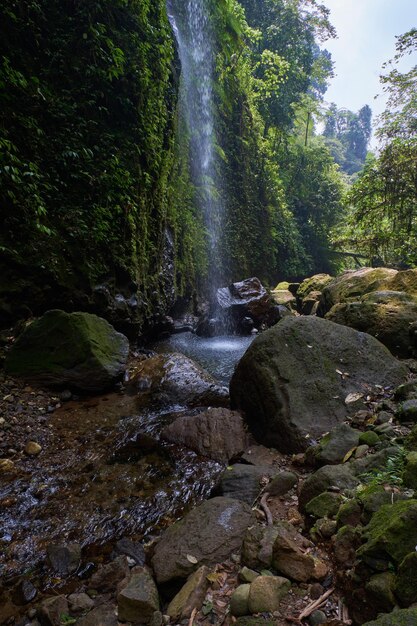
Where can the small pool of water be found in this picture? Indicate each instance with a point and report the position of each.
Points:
(218, 355)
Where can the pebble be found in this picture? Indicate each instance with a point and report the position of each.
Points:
(6, 465)
(32, 448)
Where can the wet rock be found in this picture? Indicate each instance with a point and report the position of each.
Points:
(317, 618)
(340, 476)
(24, 593)
(239, 601)
(266, 593)
(290, 560)
(175, 377)
(64, 559)
(103, 615)
(32, 448)
(139, 599)
(208, 534)
(109, 576)
(80, 602)
(403, 617)
(285, 414)
(282, 483)
(217, 433)
(380, 592)
(406, 580)
(247, 298)
(260, 455)
(132, 549)
(190, 596)
(78, 350)
(258, 545)
(244, 482)
(51, 610)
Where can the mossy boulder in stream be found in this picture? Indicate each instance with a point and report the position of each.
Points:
(404, 617)
(77, 350)
(293, 381)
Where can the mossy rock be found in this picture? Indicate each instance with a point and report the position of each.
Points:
(254, 621)
(76, 350)
(403, 617)
(324, 505)
(406, 580)
(392, 532)
(334, 446)
(410, 470)
(380, 592)
(410, 442)
(315, 283)
(407, 411)
(369, 437)
(349, 513)
(406, 391)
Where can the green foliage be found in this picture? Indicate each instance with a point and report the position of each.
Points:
(383, 201)
(347, 136)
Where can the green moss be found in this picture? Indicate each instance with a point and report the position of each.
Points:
(406, 580)
(392, 532)
(403, 617)
(324, 505)
(369, 437)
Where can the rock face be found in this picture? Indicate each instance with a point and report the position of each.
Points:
(76, 350)
(217, 433)
(209, 534)
(175, 377)
(292, 382)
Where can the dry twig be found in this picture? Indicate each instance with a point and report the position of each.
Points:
(315, 605)
(266, 509)
(193, 614)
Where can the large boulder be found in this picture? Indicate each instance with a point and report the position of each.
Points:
(386, 315)
(244, 482)
(76, 350)
(403, 617)
(208, 534)
(353, 284)
(314, 283)
(217, 433)
(293, 381)
(176, 378)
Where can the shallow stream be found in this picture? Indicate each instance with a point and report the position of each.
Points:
(104, 474)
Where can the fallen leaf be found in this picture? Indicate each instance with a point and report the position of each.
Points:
(349, 454)
(353, 397)
(191, 559)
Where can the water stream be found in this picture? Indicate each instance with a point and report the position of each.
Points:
(195, 41)
(104, 473)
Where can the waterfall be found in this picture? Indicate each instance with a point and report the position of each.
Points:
(190, 22)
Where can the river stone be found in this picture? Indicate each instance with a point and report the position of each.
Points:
(266, 593)
(324, 505)
(110, 575)
(51, 610)
(239, 600)
(353, 284)
(139, 599)
(244, 482)
(77, 350)
(339, 476)
(208, 534)
(286, 414)
(217, 433)
(290, 560)
(386, 315)
(282, 483)
(245, 298)
(380, 592)
(103, 615)
(80, 602)
(403, 617)
(175, 377)
(64, 559)
(407, 411)
(190, 596)
(257, 546)
(247, 575)
(333, 447)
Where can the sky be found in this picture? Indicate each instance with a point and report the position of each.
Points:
(366, 39)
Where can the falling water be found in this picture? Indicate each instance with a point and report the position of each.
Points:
(192, 29)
